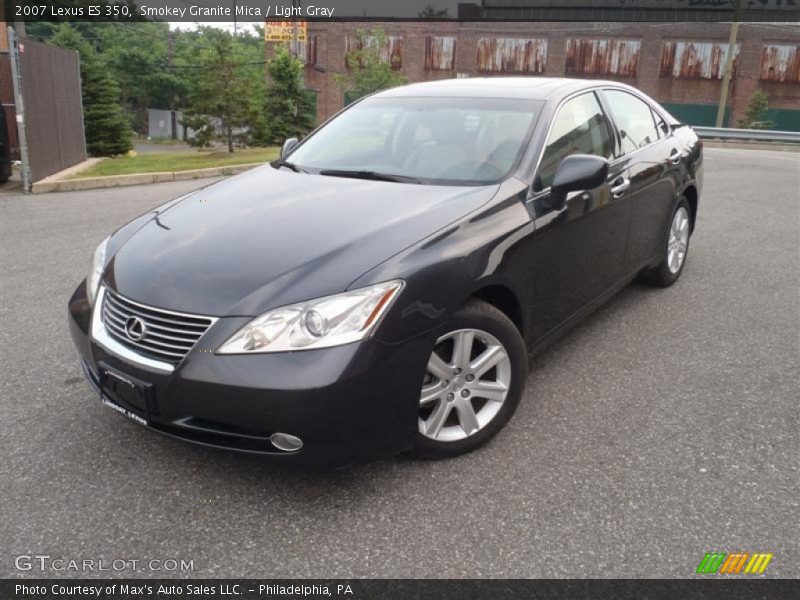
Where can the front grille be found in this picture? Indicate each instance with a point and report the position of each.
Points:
(167, 336)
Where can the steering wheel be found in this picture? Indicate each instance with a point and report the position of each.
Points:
(498, 171)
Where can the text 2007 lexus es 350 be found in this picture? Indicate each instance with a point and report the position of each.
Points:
(380, 286)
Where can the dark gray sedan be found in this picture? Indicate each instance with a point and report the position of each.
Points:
(381, 285)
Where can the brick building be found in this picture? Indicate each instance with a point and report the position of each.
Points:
(678, 64)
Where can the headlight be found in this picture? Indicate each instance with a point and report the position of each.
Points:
(98, 264)
(322, 323)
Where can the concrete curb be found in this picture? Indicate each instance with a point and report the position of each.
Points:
(91, 183)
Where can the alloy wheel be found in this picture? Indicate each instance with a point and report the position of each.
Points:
(466, 383)
(678, 240)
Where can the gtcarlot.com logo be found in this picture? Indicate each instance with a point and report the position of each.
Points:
(734, 563)
(45, 562)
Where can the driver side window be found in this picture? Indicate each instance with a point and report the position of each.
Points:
(580, 127)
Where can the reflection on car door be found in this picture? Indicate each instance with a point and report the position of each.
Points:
(578, 248)
(650, 161)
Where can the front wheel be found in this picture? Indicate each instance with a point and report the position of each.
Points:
(677, 246)
(473, 382)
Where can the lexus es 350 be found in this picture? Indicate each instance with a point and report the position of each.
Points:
(380, 287)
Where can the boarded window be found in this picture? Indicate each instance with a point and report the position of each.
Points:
(391, 50)
(512, 55)
(696, 60)
(305, 51)
(603, 57)
(780, 63)
(440, 53)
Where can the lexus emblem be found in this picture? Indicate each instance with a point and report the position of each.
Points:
(135, 328)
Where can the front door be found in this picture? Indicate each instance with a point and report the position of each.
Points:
(579, 247)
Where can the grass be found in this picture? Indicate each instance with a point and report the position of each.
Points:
(159, 141)
(156, 162)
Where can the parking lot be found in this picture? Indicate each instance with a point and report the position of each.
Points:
(664, 427)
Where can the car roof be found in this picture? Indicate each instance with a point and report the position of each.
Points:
(534, 88)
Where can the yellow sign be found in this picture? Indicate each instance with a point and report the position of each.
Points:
(285, 31)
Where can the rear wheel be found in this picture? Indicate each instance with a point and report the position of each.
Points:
(676, 248)
(473, 382)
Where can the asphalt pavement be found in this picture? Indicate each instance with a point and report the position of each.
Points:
(664, 427)
(155, 147)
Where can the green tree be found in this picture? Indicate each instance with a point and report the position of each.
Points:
(136, 56)
(156, 67)
(369, 70)
(289, 106)
(431, 12)
(107, 130)
(757, 107)
(140, 64)
(225, 90)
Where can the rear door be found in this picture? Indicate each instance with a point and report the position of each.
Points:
(647, 171)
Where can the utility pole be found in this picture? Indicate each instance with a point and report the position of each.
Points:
(19, 103)
(295, 33)
(726, 78)
(170, 54)
(296, 30)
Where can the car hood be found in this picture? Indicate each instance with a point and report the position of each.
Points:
(272, 237)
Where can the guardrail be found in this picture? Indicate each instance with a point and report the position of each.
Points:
(759, 135)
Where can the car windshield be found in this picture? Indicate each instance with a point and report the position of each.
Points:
(456, 141)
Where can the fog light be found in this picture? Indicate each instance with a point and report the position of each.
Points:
(286, 442)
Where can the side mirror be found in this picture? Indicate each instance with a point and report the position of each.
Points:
(579, 172)
(288, 145)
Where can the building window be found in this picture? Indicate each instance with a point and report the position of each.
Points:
(780, 63)
(619, 58)
(512, 55)
(696, 60)
(305, 51)
(391, 50)
(440, 53)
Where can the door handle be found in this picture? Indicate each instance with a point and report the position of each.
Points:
(675, 156)
(618, 190)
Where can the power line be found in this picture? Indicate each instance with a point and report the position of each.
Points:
(44, 37)
(254, 62)
(158, 35)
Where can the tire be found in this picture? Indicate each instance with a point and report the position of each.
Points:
(665, 273)
(445, 426)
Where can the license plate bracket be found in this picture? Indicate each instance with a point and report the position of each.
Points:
(122, 391)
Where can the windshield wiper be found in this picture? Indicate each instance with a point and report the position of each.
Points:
(369, 175)
(285, 163)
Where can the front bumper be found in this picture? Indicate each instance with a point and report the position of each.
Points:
(347, 404)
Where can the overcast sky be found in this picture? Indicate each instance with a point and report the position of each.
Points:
(345, 8)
